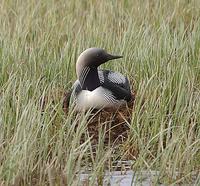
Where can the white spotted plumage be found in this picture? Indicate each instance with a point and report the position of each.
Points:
(116, 77)
(101, 77)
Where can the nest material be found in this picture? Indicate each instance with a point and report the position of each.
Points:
(114, 123)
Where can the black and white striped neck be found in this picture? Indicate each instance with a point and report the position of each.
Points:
(89, 78)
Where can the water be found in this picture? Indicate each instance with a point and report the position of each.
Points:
(128, 178)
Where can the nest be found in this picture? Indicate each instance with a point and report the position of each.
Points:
(114, 123)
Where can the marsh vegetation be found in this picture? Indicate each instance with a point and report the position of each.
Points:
(39, 43)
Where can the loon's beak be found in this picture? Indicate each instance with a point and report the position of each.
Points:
(110, 57)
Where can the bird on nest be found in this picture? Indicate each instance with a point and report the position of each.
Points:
(98, 88)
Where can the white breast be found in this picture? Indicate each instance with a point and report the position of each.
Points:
(98, 98)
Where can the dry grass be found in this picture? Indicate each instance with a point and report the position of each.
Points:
(39, 43)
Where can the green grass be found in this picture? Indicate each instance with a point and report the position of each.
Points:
(39, 44)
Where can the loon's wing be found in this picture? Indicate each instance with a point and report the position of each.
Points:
(116, 83)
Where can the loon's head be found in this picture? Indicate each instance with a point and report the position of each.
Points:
(92, 58)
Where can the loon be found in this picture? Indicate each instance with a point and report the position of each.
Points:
(96, 88)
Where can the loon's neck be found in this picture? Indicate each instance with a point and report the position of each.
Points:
(89, 78)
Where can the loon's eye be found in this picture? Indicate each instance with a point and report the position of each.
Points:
(99, 54)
